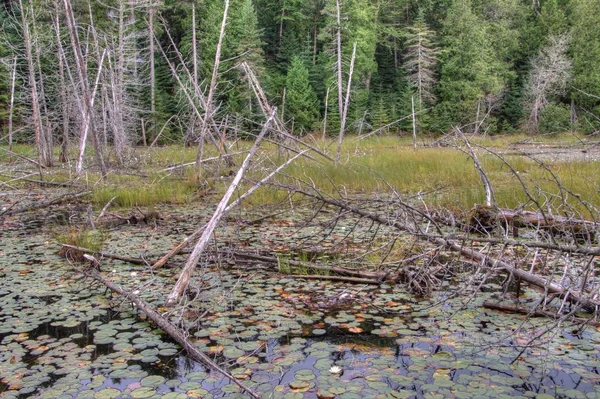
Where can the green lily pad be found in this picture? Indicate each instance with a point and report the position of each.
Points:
(144, 392)
(107, 393)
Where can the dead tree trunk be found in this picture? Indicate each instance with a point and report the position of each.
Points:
(192, 261)
(213, 86)
(346, 105)
(11, 106)
(177, 334)
(88, 108)
(44, 156)
(64, 151)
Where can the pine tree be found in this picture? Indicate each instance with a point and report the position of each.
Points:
(301, 101)
(420, 61)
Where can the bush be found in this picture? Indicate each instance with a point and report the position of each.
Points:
(554, 119)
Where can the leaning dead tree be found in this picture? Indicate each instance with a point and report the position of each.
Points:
(410, 220)
(204, 239)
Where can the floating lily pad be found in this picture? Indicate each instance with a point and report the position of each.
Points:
(107, 393)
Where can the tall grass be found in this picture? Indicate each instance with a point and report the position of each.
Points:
(145, 194)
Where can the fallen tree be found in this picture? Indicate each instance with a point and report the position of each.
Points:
(172, 330)
(448, 242)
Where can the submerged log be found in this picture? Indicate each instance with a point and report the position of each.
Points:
(537, 312)
(486, 219)
(177, 334)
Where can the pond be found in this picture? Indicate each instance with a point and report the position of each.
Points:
(63, 336)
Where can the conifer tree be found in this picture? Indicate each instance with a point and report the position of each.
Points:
(421, 61)
(585, 52)
(301, 101)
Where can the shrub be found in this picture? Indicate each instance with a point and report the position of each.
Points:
(554, 118)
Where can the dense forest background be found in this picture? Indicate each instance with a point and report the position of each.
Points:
(490, 66)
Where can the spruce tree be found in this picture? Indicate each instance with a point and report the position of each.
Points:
(301, 101)
(420, 61)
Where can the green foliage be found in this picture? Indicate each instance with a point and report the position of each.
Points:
(554, 119)
(301, 101)
(585, 52)
(472, 71)
(80, 237)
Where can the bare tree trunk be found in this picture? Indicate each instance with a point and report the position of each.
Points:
(152, 72)
(339, 62)
(118, 89)
(44, 157)
(283, 104)
(346, 106)
(194, 45)
(64, 150)
(213, 85)
(11, 107)
(414, 121)
(192, 261)
(88, 109)
(47, 131)
(324, 135)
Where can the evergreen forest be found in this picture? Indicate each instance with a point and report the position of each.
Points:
(132, 67)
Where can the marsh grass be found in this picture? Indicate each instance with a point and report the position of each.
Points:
(140, 193)
(447, 178)
(80, 237)
(378, 165)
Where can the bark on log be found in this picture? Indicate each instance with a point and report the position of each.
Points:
(178, 335)
(536, 312)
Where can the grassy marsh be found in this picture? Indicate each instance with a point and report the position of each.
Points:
(440, 176)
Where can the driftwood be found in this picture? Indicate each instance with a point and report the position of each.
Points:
(447, 242)
(177, 334)
(45, 204)
(355, 280)
(485, 219)
(137, 261)
(376, 276)
(537, 312)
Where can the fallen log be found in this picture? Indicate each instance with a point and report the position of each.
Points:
(536, 312)
(449, 243)
(178, 335)
(485, 219)
(354, 280)
(45, 204)
(137, 261)
(335, 269)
